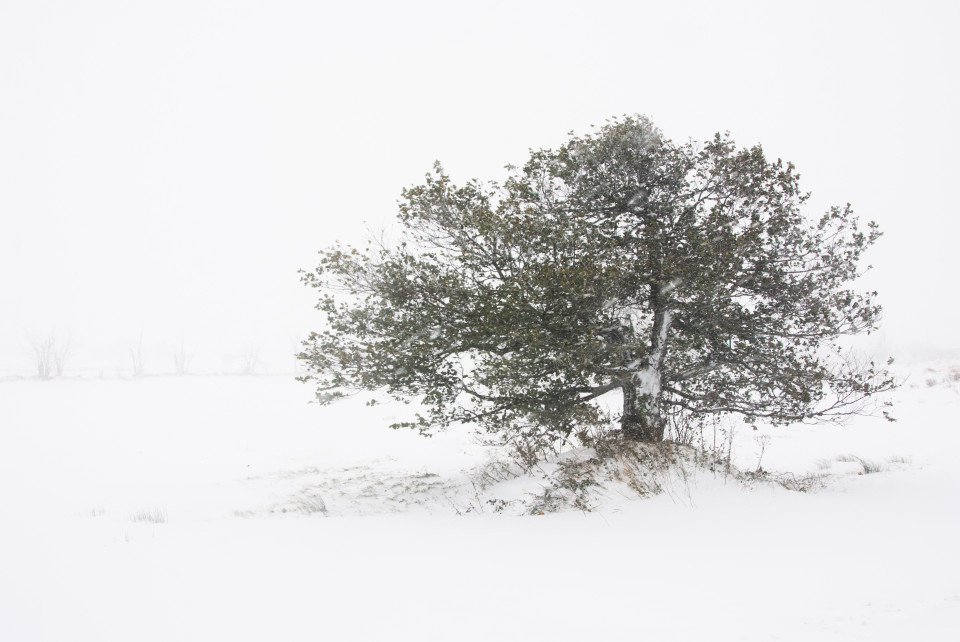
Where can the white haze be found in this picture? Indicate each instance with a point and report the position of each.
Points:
(165, 168)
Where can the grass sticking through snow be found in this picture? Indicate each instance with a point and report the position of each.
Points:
(155, 516)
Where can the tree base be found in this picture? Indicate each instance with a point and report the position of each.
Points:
(643, 431)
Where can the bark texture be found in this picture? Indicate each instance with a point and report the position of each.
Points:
(641, 419)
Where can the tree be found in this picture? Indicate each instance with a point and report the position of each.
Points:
(136, 356)
(683, 275)
(51, 355)
(43, 351)
(181, 360)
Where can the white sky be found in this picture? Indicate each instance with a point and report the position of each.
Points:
(166, 167)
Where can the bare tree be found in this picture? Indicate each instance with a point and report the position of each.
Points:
(250, 360)
(50, 355)
(136, 355)
(180, 358)
(61, 351)
(43, 353)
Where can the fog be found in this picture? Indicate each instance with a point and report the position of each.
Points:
(166, 168)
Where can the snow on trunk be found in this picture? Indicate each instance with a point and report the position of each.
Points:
(641, 396)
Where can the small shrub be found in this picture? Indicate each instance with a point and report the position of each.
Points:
(495, 471)
(306, 503)
(311, 504)
(155, 516)
(802, 484)
(547, 501)
(869, 466)
(644, 467)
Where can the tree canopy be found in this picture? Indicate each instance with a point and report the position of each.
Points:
(684, 276)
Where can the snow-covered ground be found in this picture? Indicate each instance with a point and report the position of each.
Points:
(228, 508)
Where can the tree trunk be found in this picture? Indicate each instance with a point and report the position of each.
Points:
(641, 420)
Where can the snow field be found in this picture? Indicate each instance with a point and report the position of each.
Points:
(200, 508)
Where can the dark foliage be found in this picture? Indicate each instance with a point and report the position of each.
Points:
(683, 275)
